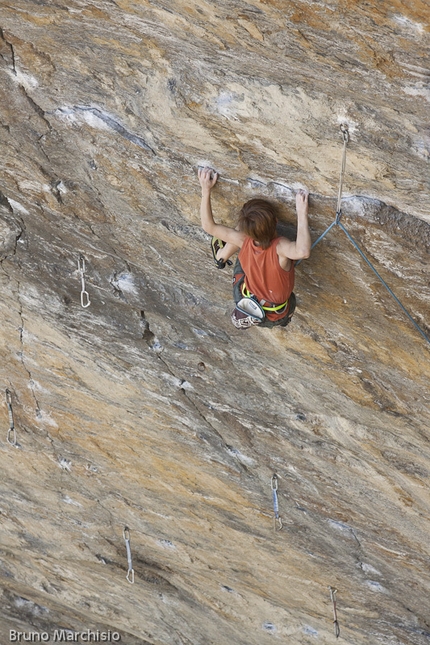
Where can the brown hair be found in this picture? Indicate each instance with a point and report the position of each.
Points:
(258, 219)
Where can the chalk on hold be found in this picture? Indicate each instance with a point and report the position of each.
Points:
(269, 627)
(220, 177)
(65, 464)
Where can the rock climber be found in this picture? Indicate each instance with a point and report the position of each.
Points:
(263, 276)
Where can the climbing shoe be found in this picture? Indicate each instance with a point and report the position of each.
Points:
(216, 245)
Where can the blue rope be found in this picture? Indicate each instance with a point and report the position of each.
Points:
(383, 282)
(351, 239)
(319, 239)
(323, 235)
(345, 133)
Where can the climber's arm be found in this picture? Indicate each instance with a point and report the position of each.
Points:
(301, 248)
(224, 233)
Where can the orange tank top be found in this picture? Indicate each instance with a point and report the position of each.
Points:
(264, 277)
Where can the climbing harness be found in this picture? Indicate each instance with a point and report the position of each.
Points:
(85, 298)
(130, 572)
(345, 134)
(249, 311)
(276, 308)
(276, 520)
(12, 431)
(333, 593)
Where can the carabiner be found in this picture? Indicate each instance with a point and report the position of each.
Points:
(85, 296)
(345, 132)
(81, 264)
(277, 523)
(9, 432)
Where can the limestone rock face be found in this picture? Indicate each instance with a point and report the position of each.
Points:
(147, 409)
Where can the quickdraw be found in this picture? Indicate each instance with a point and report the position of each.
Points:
(130, 572)
(12, 431)
(277, 519)
(337, 222)
(85, 298)
(333, 593)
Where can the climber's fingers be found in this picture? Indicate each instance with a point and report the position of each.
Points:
(207, 177)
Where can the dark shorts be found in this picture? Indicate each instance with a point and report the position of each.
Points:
(239, 277)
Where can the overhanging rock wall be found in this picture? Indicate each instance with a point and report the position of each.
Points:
(148, 409)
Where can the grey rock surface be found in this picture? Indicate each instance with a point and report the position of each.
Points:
(147, 409)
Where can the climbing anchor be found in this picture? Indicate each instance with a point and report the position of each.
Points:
(345, 134)
(130, 572)
(333, 593)
(12, 431)
(85, 298)
(276, 520)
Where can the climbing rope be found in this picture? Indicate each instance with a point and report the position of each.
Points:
(130, 572)
(277, 520)
(12, 431)
(384, 283)
(85, 298)
(345, 134)
(333, 593)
